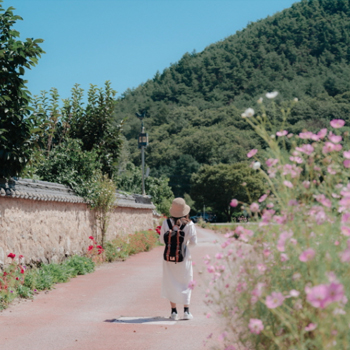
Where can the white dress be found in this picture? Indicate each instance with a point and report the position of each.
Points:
(177, 276)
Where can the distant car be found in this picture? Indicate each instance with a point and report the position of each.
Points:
(207, 217)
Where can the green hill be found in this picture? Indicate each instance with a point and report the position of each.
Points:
(194, 107)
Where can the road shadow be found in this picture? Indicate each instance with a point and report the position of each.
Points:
(140, 320)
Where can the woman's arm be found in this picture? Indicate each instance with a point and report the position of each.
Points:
(192, 236)
(163, 229)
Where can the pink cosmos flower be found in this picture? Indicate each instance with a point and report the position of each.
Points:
(335, 292)
(346, 163)
(337, 123)
(254, 207)
(257, 291)
(345, 255)
(334, 138)
(219, 256)
(222, 336)
(234, 203)
(336, 243)
(318, 296)
(307, 149)
(281, 220)
(284, 257)
(307, 255)
(288, 184)
(293, 241)
(266, 217)
(322, 133)
(306, 135)
(262, 198)
(296, 159)
(266, 253)
(282, 133)
(261, 268)
(345, 230)
(328, 147)
(256, 326)
(310, 327)
(274, 300)
(293, 203)
(331, 171)
(271, 162)
(283, 238)
(345, 218)
(294, 293)
(338, 147)
(346, 154)
(306, 184)
(211, 269)
(192, 284)
(252, 153)
(323, 200)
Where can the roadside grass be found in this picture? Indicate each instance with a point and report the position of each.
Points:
(32, 280)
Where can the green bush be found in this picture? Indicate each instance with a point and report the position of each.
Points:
(121, 247)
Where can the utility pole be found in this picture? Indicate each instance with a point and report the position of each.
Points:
(142, 144)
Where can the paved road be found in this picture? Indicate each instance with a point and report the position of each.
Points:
(79, 314)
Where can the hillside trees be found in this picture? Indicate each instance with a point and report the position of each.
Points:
(194, 106)
(17, 126)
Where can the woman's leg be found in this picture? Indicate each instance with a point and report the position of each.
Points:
(173, 305)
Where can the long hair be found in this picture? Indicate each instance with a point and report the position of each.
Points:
(180, 221)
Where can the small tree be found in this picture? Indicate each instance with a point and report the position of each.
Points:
(102, 200)
(16, 126)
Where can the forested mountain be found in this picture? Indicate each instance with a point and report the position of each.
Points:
(194, 107)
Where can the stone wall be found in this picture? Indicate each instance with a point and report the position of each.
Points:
(47, 222)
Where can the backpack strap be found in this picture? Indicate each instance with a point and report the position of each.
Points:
(177, 246)
(169, 224)
(169, 240)
(182, 227)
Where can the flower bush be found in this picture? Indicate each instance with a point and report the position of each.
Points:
(284, 284)
(11, 281)
(95, 252)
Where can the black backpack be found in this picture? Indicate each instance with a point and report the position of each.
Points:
(173, 244)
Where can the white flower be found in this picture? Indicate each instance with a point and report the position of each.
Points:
(249, 112)
(256, 165)
(271, 94)
(296, 99)
(260, 100)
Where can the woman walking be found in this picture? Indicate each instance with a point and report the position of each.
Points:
(177, 269)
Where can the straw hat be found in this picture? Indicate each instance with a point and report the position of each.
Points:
(179, 208)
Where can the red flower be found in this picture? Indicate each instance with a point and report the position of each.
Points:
(22, 270)
(12, 256)
(5, 274)
(100, 251)
(99, 247)
(90, 247)
(91, 237)
(17, 278)
(21, 256)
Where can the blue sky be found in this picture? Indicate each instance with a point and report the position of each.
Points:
(125, 41)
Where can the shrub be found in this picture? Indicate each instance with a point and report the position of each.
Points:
(285, 284)
(121, 247)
